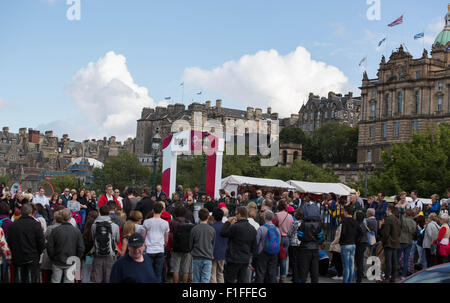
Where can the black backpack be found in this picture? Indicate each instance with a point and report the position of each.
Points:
(103, 242)
(181, 237)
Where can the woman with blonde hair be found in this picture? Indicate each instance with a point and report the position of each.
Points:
(128, 229)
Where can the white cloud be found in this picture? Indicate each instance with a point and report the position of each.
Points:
(3, 103)
(433, 29)
(270, 79)
(105, 91)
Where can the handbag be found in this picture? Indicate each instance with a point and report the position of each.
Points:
(371, 239)
(282, 254)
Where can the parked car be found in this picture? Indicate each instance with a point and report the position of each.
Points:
(435, 274)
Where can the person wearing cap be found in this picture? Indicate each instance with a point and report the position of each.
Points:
(135, 266)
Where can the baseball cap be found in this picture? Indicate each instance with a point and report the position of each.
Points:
(135, 240)
(290, 209)
(222, 205)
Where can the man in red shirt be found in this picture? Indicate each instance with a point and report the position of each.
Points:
(108, 196)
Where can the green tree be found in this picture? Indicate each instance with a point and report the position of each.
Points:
(121, 171)
(335, 143)
(302, 170)
(422, 164)
(59, 183)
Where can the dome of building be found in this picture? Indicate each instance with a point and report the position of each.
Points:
(92, 162)
(444, 36)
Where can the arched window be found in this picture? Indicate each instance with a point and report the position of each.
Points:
(284, 157)
(295, 155)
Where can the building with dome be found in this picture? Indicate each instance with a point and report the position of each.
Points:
(407, 96)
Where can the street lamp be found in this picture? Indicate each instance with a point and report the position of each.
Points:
(366, 170)
(156, 144)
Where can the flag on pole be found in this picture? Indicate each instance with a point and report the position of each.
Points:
(419, 35)
(447, 49)
(381, 42)
(396, 22)
(362, 61)
(199, 93)
(167, 98)
(182, 84)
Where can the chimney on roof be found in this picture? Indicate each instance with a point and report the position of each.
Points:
(269, 110)
(258, 113)
(218, 103)
(208, 104)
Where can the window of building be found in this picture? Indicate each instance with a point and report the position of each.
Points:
(418, 101)
(417, 75)
(415, 126)
(439, 104)
(284, 157)
(440, 86)
(387, 104)
(372, 110)
(399, 76)
(399, 102)
(333, 114)
(397, 129)
(338, 114)
(295, 155)
(438, 123)
(369, 156)
(374, 93)
(384, 132)
(371, 132)
(326, 115)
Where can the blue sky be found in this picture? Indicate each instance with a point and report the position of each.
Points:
(167, 42)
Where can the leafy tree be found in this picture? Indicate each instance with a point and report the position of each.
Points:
(422, 164)
(121, 171)
(296, 135)
(5, 179)
(59, 183)
(335, 143)
(302, 170)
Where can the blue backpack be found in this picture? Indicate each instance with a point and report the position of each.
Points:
(272, 242)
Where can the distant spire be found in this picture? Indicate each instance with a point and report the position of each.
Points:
(383, 60)
(365, 77)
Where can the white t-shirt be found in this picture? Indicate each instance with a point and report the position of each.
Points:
(156, 230)
(416, 203)
(120, 201)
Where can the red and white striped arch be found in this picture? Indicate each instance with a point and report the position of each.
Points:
(189, 141)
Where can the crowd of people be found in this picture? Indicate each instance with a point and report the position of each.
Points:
(126, 237)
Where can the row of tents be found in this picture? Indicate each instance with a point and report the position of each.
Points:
(233, 183)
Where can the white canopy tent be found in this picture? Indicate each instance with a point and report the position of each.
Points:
(409, 199)
(321, 188)
(231, 183)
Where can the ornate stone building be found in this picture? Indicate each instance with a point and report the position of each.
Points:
(407, 96)
(28, 154)
(336, 108)
(163, 118)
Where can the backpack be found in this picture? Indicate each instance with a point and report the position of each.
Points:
(181, 237)
(1, 221)
(103, 242)
(272, 242)
(310, 211)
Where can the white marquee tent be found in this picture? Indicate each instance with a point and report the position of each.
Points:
(322, 188)
(231, 183)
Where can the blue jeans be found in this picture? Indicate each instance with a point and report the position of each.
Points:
(157, 261)
(348, 259)
(201, 270)
(422, 259)
(82, 213)
(282, 264)
(404, 250)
